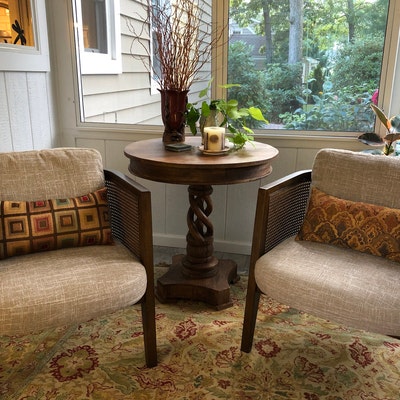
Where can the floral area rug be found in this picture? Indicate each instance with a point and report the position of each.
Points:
(295, 356)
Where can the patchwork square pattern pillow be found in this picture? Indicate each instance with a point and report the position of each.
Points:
(360, 226)
(29, 227)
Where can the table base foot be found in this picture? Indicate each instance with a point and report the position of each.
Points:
(215, 290)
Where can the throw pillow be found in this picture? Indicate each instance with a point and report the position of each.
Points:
(360, 226)
(29, 227)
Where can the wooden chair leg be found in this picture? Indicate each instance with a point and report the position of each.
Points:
(149, 330)
(250, 316)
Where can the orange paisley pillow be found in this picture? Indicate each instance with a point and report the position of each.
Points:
(360, 226)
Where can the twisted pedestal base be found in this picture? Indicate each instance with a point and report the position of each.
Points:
(214, 290)
(199, 275)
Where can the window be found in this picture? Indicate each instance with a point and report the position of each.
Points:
(130, 97)
(309, 65)
(336, 63)
(22, 46)
(155, 68)
(16, 23)
(94, 26)
(98, 36)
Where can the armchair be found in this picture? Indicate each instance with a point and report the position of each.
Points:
(315, 260)
(58, 263)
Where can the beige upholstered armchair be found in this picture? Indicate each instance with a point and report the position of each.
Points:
(59, 263)
(327, 242)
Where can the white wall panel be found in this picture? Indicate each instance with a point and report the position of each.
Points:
(219, 214)
(115, 157)
(305, 158)
(162, 236)
(90, 143)
(5, 127)
(40, 111)
(241, 207)
(18, 104)
(176, 206)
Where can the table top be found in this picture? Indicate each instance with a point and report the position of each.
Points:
(150, 160)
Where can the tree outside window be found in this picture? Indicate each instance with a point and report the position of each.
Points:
(308, 64)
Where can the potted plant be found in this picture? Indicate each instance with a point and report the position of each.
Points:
(222, 112)
(182, 44)
(392, 126)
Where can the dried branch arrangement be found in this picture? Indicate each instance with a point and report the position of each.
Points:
(182, 42)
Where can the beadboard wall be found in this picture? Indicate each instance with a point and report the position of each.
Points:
(27, 117)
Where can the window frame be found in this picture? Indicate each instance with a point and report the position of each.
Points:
(390, 75)
(92, 63)
(389, 98)
(14, 57)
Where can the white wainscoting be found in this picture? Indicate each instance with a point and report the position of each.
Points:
(27, 118)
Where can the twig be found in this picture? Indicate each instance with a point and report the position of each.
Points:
(182, 45)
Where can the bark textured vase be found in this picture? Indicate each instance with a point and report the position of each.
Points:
(173, 108)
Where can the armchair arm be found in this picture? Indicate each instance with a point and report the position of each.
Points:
(131, 224)
(130, 209)
(280, 211)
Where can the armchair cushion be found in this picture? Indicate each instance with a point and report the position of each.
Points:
(28, 227)
(360, 226)
(67, 286)
(342, 285)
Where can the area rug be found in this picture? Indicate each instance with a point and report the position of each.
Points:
(295, 356)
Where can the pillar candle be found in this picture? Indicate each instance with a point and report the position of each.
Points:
(214, 138)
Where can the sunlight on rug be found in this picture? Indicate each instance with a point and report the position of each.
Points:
(295, 356)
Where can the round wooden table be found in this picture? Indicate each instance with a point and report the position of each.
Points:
(199, 275)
